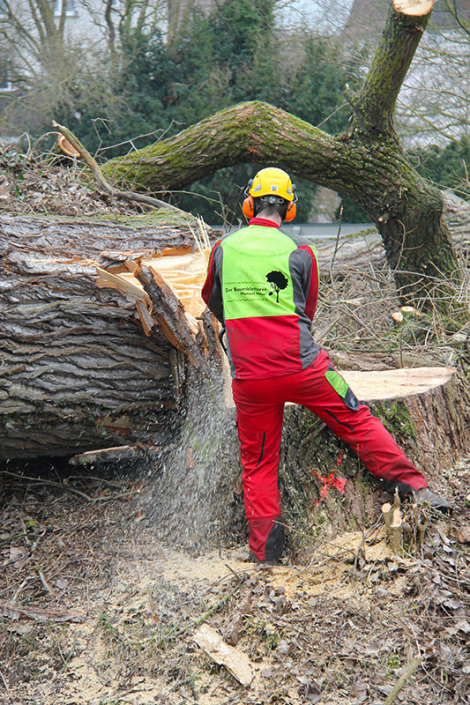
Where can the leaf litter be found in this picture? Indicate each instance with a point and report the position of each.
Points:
(340, 629)
(53, 184)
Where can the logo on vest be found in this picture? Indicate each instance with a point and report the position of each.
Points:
(277, 282)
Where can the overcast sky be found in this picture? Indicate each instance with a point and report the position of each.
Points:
(317, 12)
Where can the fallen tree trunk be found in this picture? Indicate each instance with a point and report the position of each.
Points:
(95, 339)
(78, 371)
(93, 342)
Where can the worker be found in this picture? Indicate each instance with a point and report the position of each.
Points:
(262, 285)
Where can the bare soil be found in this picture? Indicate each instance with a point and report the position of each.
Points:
(111, 611)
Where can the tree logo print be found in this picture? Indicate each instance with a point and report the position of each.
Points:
(277, 281)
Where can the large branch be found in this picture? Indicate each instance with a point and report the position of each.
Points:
(250, 132)
(259, 133)
(374, 106)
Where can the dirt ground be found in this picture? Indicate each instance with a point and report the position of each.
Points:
(98, 611)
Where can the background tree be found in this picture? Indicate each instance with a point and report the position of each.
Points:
(432, 109)
(138, 78)
(366, 162)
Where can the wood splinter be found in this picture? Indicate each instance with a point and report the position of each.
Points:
(394, 524)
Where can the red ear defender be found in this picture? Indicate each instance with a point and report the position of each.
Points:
(291, 212)
(248, 207)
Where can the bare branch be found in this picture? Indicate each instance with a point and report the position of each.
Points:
(102, 183)
(374, 106)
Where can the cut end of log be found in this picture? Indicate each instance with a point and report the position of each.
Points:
(66, 147)
(414, 8)
(397, 384)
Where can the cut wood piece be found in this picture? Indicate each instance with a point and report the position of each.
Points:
(112, 455)
(393, 521)
(414, 8)
(234, 660)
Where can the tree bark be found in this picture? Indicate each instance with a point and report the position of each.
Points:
(77, 370)
(367, 162)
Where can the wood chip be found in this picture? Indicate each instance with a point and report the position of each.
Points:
(463, 535)
(234, 660)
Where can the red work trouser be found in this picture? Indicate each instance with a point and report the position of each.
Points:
(260, 408)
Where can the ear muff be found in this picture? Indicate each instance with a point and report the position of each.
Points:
(291, 212)
(248, 207)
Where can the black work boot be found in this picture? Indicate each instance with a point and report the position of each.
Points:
(255, 559)
(274, 543)
(428, 497)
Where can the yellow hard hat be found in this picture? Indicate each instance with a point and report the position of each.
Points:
(272, 182)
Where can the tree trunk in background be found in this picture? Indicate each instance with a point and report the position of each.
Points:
(366, 162)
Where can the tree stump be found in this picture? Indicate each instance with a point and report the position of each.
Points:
(324, 487)
(427, 410)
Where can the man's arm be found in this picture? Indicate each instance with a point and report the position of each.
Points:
(311, 281)
(212, 289)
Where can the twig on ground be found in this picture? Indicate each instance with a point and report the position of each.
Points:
(4, 682)
(401, 682)
(13, 611)
(45, 583)
(62, 486)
